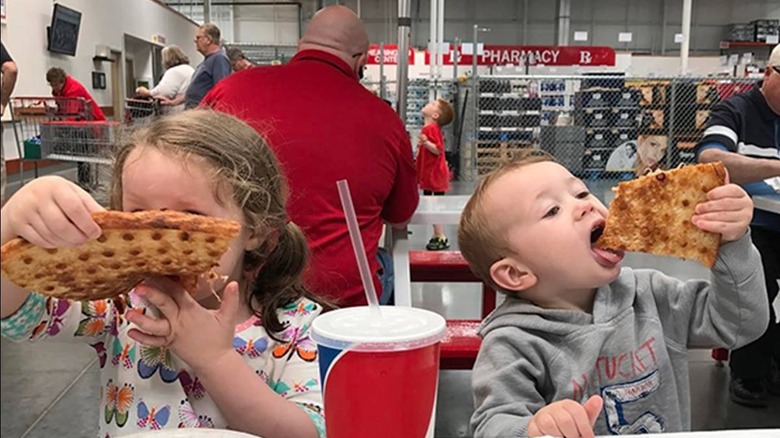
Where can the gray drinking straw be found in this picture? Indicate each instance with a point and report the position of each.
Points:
(357, 245)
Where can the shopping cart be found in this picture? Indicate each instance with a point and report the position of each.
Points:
(28, 113)
(140, 112)
(85, 142)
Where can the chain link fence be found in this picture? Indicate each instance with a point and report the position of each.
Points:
(599, 127)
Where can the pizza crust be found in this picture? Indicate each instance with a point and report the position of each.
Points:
(131, 247)
(652, 214)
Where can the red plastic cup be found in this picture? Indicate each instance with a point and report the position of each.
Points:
(379, 375)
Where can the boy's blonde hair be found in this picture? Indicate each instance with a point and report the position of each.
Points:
(446, 113)
(481, 243)
(244, 169)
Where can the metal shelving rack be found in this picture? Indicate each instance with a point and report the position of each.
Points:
(508, 119)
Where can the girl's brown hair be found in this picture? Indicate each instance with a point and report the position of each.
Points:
(246, 168)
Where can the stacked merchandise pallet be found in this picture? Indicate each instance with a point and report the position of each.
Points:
(566, 143)
(689, 111)
(742, 32)
(610, 113)
(655, 98)
(766, 31)
(557, 98)
(509, 115)
(678, 110)
(760, 31)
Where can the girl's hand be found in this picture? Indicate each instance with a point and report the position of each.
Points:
(727, 211)
(51, 212)
(566, 418)
(197, 335)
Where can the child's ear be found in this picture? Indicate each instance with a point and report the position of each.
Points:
(511, 275)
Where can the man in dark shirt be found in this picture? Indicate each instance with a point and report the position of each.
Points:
(214, 67)
(744, 133)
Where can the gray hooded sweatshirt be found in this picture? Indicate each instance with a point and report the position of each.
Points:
(632, 350)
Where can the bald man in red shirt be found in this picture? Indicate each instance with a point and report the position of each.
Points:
(325, 126)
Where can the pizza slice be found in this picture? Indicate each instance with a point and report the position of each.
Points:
(133, 246)
(652, 214)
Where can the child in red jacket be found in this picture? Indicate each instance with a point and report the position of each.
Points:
(433, 173)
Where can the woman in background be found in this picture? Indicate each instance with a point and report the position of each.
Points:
(170, 91)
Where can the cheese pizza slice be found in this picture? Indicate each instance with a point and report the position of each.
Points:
(133, 246)
(652, 214)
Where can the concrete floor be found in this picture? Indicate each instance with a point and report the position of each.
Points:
(52, 389)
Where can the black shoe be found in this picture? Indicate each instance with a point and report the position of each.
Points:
(750, 393)
(437, 244)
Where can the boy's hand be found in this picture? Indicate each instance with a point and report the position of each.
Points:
(566, 418)
(727, 211)
(51, 212)
(422, 138)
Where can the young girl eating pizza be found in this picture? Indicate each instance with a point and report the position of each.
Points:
(244, 363)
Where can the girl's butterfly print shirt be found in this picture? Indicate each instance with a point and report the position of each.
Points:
(149, 388)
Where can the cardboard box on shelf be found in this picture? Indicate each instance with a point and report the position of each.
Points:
(742, 32)
(686, 144)
(653, 119)
(706, 93)
(647, 96)
(701, 118)
(651, 92)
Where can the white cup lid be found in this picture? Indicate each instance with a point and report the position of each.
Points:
(360, 329)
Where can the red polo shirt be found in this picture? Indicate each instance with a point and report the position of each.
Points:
(432, 170)
(325, 126)
(73, 88)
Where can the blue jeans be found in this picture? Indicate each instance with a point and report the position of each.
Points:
(386, 276)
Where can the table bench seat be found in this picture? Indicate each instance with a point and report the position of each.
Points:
(461, 343)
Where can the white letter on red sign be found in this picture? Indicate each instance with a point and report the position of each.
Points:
(585, 57)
